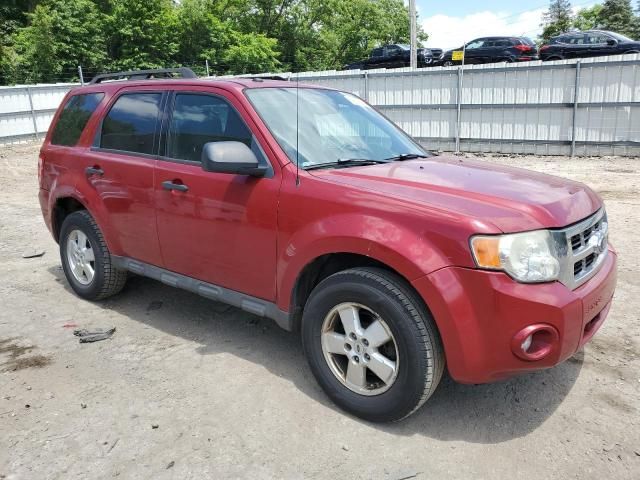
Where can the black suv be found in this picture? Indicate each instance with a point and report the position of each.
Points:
(392, 56)
(493, 50)
(592, 43)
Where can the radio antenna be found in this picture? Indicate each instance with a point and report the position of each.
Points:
(297, 130)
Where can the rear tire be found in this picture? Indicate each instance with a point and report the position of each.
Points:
(397, 346)
(86, 260)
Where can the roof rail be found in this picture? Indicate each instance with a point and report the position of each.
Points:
(183, 72)
(259, 77)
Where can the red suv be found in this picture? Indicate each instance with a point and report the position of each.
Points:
(305, 205)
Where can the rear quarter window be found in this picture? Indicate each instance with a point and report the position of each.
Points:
(74, 117)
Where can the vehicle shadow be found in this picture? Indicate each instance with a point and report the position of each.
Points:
(490, 413)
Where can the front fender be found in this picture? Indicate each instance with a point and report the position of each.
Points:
(404, 250)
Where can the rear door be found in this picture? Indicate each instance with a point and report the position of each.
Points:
(578, 46)
(120, 168)
(216, 227)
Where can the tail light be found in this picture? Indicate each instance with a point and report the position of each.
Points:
(544, 47)
(523, 48)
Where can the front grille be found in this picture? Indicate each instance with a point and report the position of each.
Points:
(586, 249)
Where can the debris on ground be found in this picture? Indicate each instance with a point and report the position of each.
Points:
(171, 464)
(154, 426)
(33, 253)
(70, 325)
(88, 336)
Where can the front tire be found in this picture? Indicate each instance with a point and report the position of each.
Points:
(86, 260)
(371, 344)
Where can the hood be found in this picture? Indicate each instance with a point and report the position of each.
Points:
(512, 199)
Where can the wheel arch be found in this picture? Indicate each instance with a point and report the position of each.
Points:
(325, 265)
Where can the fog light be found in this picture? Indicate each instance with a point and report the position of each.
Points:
(535, 342)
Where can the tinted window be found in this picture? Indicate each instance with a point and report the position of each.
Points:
(199, 119)
(577, 40)
(476, 44)
(503, 43)
(376, 52)
(597, 39)
(131, 123)
(74, 118)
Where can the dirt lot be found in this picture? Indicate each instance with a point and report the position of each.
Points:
(188, 388)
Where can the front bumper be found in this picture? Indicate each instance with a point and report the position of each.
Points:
(479, 313)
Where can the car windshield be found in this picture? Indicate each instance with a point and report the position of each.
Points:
(331, 126)
(620, 38)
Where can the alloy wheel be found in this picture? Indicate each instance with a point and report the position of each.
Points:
(360, 349)
(80, 257)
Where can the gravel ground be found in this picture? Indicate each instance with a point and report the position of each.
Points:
(188, 388)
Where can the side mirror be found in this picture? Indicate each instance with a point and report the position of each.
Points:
(231, 157)
(611, 42)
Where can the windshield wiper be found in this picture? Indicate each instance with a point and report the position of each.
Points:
(347, 162)
(406, 156)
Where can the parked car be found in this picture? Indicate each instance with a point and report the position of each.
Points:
(305, 205)
(493, 50)
(592, 43)
(392, 56)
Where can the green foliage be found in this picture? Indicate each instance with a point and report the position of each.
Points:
(142, 34)
(587, 18)
(251, 53)
(557, 19)
(617, 15)
(61, 35)
(45, 40)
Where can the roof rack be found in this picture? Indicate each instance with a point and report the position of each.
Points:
(183, 72)
(258, 77)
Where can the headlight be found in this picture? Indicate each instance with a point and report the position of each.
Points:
(528, 257)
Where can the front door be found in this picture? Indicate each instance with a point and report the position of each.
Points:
(216, 227)
(475, 52)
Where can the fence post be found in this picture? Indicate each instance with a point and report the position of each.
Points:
(576, 92)
(33, 114)
(80, 75)
(206, 63)
(459, 108)
(366, 86)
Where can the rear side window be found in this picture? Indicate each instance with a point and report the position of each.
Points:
(130, 125)
(199, 119)
(74, 117)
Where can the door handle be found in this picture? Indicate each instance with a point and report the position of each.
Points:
(95, 170)
(170, 185)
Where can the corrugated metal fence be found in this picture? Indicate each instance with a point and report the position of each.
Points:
(511, 108)
(26, 111)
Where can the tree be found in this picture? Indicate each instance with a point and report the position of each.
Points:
(557, 19)
(587, 18)
(62, 34)
(251, 53)
(142, 34)
(617, 16)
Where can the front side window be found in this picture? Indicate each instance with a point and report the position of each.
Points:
(199, 119)
(74, 117)
(331, 126)
(475, 44)
(130, 125)
(597, 39)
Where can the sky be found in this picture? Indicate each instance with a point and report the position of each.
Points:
(454, 22)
